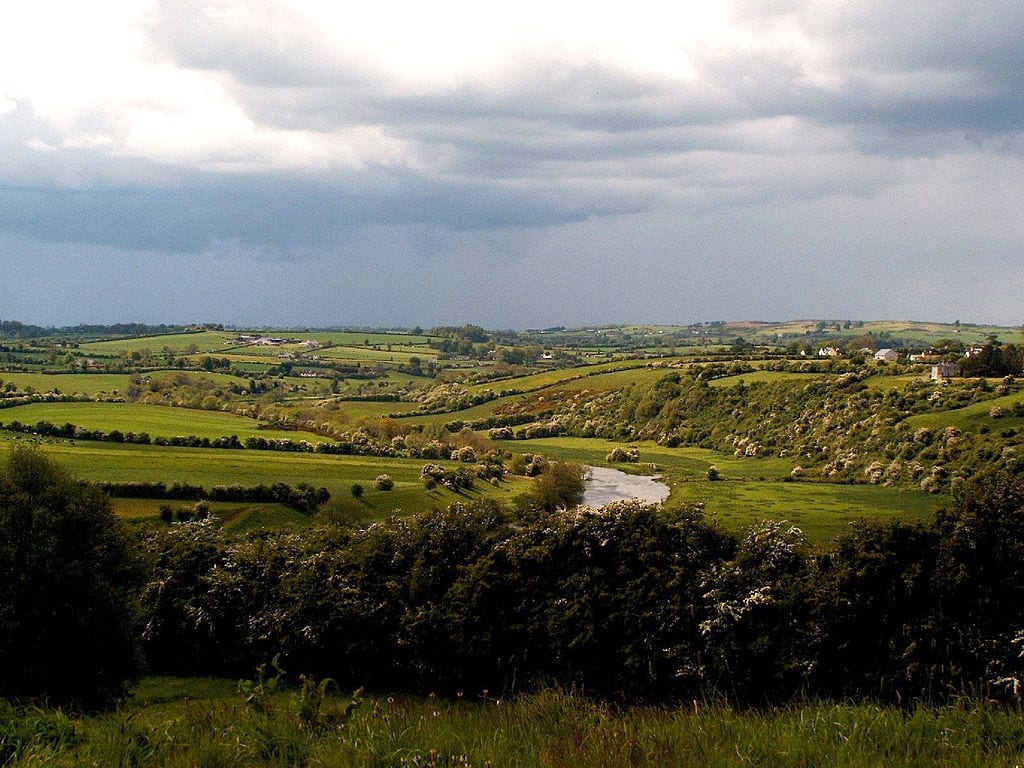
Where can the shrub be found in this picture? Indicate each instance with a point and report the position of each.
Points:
(623, 455)
(383, 483)
(465, 454)
(357, 490)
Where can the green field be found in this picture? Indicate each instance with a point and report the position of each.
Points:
(91, 384)
(207, 467)
(821, 510)
(554, 381)
(361, 338)
(535, 381)
(750, 489)
(973, 416)
(922, 332)
(207, 341)
(156, 420)
(232, 516)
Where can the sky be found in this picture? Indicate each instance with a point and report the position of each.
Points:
(513, 165)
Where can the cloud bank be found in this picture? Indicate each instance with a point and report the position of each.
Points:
(304, 162)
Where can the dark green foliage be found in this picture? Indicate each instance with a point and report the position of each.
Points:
(994, 360)
(68, 575)
(873, 613)
(625, 601)
(979, 582)
(758, 634)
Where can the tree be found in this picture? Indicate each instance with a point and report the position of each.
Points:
(68, 584)
(560, 486)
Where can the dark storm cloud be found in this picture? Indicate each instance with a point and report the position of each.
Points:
(910, 68)
(281, 213)
(814, 152)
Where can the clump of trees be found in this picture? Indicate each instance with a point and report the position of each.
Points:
(69, 581)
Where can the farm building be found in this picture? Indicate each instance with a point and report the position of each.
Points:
(944, 370)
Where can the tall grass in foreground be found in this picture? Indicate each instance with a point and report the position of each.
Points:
(307, 728)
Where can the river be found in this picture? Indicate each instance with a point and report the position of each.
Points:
(605, 485)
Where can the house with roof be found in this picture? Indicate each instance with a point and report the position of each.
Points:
(887, 355)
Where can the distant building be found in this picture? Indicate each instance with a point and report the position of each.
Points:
(944, 370)
(888, 355)
(828, 352)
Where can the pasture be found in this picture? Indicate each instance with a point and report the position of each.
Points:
(207, 467)
(91, 384)
(560, 376)
(749, 489)
(233, 516)
(155, 420)
(206, 341)
(974, 416)
(570, 379)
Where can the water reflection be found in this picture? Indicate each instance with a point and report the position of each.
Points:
(606, 484)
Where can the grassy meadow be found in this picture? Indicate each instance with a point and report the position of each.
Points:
(974, 416)
(748, 489)
(206, 341)
(559, 376)
(232, 516)
(156, 420)
(91, 384)
(208, 467)
(171, 722)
